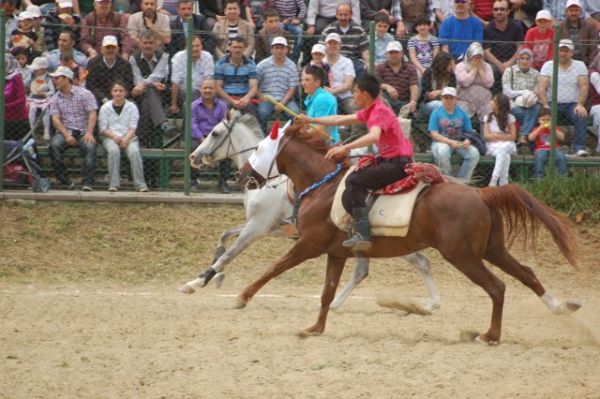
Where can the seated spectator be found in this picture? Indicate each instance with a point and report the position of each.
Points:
(583, 33)
(104, 22)
(10, 8)
(388, 8)
(16, 118)
(440, 75)
(278, 77)
(59, 20)
(399, 81)
(201, 27)
(410, 12)
(355, 44)
(519, 83)
(319, 102)
(24, 36)
(482, 10)
(107, 68)
(235, 76)
(541, 136)
(321, 13)
(448, 125)
(233, 26)
(423, 46)
(292, 14)
(41, 89)
(149, 19)
(442, 9)
(341, 74)
(459, 30)
(66, 44)
(150, 67)
(500, 133)
(595, 97)
(557, 9)
(539, 39)
(117, 124)
(73, 112)
(474, 77)
(272, 28)
(524, 11)
(318, 61)
(203, 67)
(37, 18)
(212, 10)
(382, 37)
(572, 96)
(23, 57)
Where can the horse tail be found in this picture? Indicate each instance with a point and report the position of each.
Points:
(522, 213)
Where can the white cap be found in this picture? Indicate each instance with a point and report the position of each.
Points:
(64, 3)
(34, 10)
(318, 48)
(394, 46)
(543, 14)
(573, 3)
(62, 71)
(333, 36)
(449, 91)
(279, 40)
(109, 40)
(39, 63)
(25, 15)
(566, 43)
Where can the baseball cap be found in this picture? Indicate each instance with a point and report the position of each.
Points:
(318, 48)
(394, 46)
(109, 40)
(64, 3)
(566, 43)
(573, 3)
(25, 15)
(39, 63)
(333, 36)
(449, 91)
(62, 71)
(34, 10)
(279, 40)
(543, 14)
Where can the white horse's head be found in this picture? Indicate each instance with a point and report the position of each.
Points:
(235, 137)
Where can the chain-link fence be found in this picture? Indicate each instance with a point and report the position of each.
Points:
(501, 85)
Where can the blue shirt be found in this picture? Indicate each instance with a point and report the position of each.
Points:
(458, 34)
(323, 103)
(235, 78)
(205, 119)
(448, 125)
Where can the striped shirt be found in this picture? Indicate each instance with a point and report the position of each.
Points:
(74, 108)
(354, 39)
(328, 8)
(401, 80)
(235, 78)
(276, 80)
(293, 9)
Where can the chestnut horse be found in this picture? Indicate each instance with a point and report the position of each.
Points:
(466, 225)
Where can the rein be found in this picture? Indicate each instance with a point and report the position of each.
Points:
(230, 146)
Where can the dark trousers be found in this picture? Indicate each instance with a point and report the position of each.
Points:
(373, 177)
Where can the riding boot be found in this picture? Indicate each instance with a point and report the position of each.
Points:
(361, 240)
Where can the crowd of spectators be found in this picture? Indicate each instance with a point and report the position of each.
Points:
(493, 54)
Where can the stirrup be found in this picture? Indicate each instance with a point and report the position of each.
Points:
(357, 243)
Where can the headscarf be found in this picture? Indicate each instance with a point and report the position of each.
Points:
(11, 66)
(474, 49)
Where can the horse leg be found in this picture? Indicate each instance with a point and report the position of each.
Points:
(500, 257)
(361, 270)
(421, 263)
(233, 232)
(335, 266)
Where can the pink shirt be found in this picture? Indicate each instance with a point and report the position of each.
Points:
(392, 143)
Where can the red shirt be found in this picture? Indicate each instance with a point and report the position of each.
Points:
(541, 46)
(392, 143)
(542, 141)
(483, 8)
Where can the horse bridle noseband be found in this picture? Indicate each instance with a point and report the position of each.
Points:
(226, 136)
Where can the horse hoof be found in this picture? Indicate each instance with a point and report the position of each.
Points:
(482, 340)
(573, 306)
(219, 277)
(240, 304)
(186, 289)
(307, 333)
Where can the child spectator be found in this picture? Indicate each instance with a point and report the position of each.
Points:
(318, 61)
(24, 36)
(541, 136)
(272, 28)
(440, 75)
(382, 37)
(423, 46)
(38, 18)
(500, 133)
(255, 10)
(539, 39)
(292, 13)
(41, 88)
(22, 55)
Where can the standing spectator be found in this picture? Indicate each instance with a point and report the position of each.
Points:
(423, 46)
(235, 76)
(207, 112)
(41, 89)
(271, 29)
(382, 37)
(474, 77)
(583, 33)
(11, 21)
(524, 11)
(292, 14)
(277, 77)
(502, 37)
(399, 81)
(212, 10)
(118, 122)
(519, 83)
(104, 22)
(66, 43)
(233, 26)
(149, 19)
(203, 67)
(558, 8)
(321, 13)
(341, 74)
(107, 68)
(57, 21)
(572, 97)
(539, 39)
(16, 117)
(500, 133)
(200, 24)
(355, 44)
(319, 102)
(458, 31)
(482, 9)
(370, 8)
(410, 12)
(440, 75)
(595, 98)
(447, 126)
(73, 112)
(541, 136)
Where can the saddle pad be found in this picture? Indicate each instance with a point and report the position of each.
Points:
(389, 216)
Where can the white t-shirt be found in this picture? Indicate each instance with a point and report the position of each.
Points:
(494, 128)
(568, 88)
(340, 70)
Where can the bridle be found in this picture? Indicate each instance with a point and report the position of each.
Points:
(230, 146)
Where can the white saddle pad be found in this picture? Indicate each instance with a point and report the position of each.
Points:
(389, 216)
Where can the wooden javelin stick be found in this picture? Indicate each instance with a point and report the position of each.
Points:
(294, 114)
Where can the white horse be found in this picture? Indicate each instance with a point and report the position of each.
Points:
(268, 209)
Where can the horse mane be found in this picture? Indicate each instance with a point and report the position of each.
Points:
(251, 122)
(314, 140)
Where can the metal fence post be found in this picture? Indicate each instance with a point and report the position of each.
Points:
(372, 47)
(187, 114)
(2, 83)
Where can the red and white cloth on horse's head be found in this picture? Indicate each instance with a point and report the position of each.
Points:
(263, 159)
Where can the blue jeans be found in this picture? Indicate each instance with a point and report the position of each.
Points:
(430, 106)
(442, 153)
(541, 159)
(58, 145)
(567, 110)
(297, 31)
(265, 110)
(527, 117)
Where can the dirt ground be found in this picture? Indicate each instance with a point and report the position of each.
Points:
(90, 309)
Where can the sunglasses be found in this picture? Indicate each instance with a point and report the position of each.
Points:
(460, 1)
